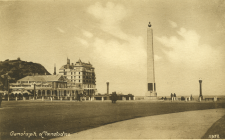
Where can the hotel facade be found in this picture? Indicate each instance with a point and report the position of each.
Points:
(81, 75)
(74, 79)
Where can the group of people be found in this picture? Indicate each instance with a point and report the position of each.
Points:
(114, 97)
(173, 97)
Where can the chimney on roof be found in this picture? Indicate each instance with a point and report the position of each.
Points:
(68, 63)
(54, 70)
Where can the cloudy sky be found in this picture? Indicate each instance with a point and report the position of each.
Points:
(189, 41)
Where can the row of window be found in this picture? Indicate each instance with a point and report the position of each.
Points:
(85, 81)
(84, 77)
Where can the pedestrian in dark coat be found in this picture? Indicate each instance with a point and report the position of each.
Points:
(114, 98)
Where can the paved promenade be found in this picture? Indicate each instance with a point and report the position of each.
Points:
(183, 125)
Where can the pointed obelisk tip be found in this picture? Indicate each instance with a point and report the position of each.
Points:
(149, 24)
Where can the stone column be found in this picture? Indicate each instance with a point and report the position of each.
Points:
(57, 93)
(61, 92)
(46, 93)
(37, 94)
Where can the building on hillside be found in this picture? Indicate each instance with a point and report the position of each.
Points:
(80, 75)
(46, 85)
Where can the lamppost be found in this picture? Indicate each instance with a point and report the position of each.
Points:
(34, 90)
(107, 83)
(8, 85)
(200, 86)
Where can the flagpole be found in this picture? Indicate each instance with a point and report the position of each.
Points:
(8, 85)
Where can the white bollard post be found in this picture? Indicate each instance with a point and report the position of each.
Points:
(70, 98)
(102, 99)
(133, 98)
(16, 98)
(200, 99)
(33, 98)
(51, 99)
(42, 98)
(185, 99)
(189, 98)
(61, 98)
(129, 98)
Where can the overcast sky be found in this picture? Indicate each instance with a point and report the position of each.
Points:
(189, 41)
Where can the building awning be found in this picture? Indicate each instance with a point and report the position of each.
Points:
(20, 92)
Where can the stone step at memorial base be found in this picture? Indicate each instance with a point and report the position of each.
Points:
(150, 98)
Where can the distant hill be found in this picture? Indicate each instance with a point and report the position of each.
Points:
(18, 69)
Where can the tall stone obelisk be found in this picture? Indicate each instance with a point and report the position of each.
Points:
(151, 86)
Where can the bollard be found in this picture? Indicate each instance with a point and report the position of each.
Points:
(85, 98)
(61, 98)
(102, 99)
(133, 98)
(185, 99)
(129, 98)
(16, 98)
(189, 98)
(42, 98)
(70, 98)
(51, 99)
(199, 99)
(33, 98)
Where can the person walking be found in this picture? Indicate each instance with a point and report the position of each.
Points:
(113, 97)
(171, 96)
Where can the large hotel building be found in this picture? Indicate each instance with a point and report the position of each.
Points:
(81, 75)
